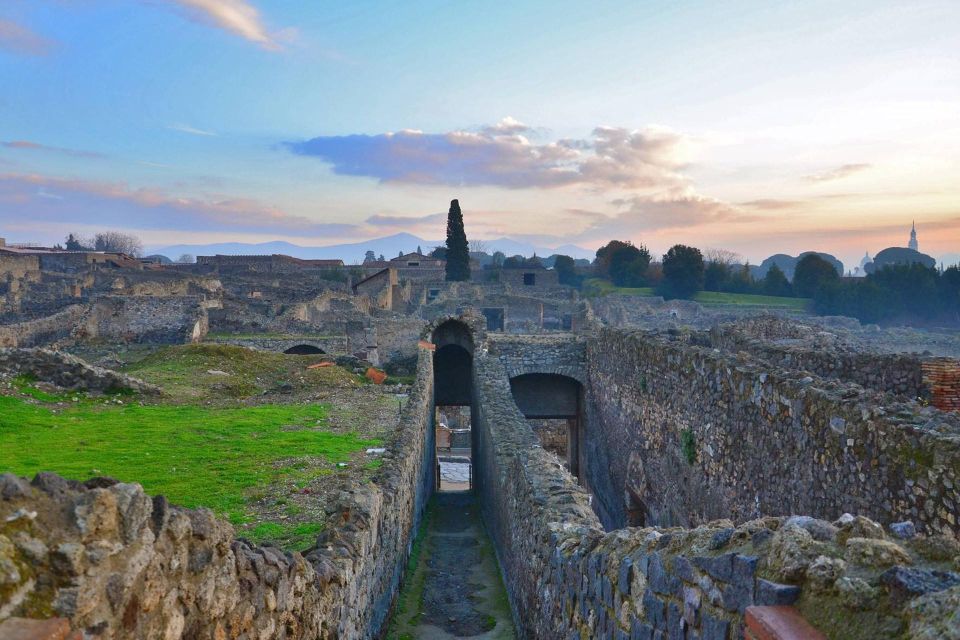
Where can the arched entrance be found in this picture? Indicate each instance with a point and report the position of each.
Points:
(453, 400)
(553, 404)
(304, 350)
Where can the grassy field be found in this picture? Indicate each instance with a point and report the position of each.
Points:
(216, 371)
(749, 299)
(214, 440)
(597, 287)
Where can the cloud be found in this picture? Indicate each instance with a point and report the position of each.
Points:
(674, 209)
(36, 146)
(771, 204)
(185, 128)
(843, 171)
(71, 201)
(500, 155)
(238, 17)
(18, 39)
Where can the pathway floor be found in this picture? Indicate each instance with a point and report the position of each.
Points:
(454, 590)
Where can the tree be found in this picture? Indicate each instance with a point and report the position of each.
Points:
(381, 258)
(775, 283)
(400, 255)
(498, 258)
(811, 273)
(419, 250)
(116, 242)
(682, 272)
(440, 253)
(185, 258)
(369, 256)
(566, 270)
(715, 276)
(458, 249)
(622, 263)
(74, 243)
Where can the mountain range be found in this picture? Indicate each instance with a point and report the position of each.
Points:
(389, 246)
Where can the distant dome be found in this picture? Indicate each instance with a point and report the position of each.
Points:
(899, 255)
(865, 260)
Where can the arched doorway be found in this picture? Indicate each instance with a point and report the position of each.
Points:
(304, 350)
(553, 404)
(453, 400)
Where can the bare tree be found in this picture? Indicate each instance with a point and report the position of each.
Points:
(186, 258)
(117, 242)
(723, 256)
(478, 246)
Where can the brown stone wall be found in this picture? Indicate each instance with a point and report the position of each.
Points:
(693, 434)
(567, 578)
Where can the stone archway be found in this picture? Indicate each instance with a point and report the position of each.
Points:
(304, 350)
(554, 405)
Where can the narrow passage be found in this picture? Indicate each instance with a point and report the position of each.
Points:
(454, 588)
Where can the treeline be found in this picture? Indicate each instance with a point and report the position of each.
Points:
(911, 292)
(896, 292)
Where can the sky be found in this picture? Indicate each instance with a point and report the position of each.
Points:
(756, 127)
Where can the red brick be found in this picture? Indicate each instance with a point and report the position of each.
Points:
(27, 629)
(778, 623)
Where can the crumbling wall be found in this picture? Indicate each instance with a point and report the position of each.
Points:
(700, 434)
(67, 372)
(788, 344)
(147, 319)
(567, 578)
(42, 330)
(120, 564)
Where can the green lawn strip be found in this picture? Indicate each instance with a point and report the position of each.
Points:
(719, 297)
(196, 456)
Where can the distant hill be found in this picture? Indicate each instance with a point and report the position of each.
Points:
(389, 246)
(787, 264)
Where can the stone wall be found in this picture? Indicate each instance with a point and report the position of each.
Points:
(567, 578)
(147, 319)
(67, 372)
(687, 434)
(42, 330)
(788, 344)
(120, 564)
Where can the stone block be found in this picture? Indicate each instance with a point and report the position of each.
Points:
(774, 593)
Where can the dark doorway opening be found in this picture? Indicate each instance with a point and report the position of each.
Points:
(453, 399)
(494, 316)
(304, 350)
(553, 404)
(530, 279)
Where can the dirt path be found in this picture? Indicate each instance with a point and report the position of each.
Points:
(454, 591)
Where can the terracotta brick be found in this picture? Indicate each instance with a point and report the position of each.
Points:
(27, 629)
(778, 623)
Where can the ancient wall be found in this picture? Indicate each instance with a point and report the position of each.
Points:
(42, 330)
(699, 434)
(146, 319)
(120, 564)
(567, 578)
(787, 344)
(67, 371)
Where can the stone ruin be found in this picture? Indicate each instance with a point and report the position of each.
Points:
(720, 470)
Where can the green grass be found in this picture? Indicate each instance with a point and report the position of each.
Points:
(195, 455)
(184, 371)
(721, 298)
(290, 537)
(595, 287)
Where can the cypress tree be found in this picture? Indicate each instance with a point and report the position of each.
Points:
(458, 250)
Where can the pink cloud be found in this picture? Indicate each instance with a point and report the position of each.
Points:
(18, 39)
